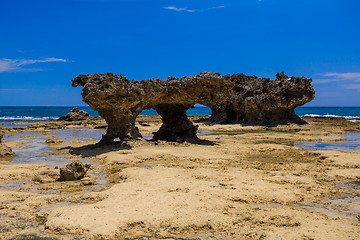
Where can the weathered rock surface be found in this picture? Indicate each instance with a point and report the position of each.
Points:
(261, 101)
(233, 99)
(5, 151)
(75, 115)
(53, 141)
(73, 171)
(47, 176)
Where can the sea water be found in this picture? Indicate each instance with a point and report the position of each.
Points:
(11, 114)
(351, 144)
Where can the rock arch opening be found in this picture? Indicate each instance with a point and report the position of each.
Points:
(233, 98)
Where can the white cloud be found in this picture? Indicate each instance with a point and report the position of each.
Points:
(211, 8)
(344, 76)
(191, 10)
(17, 65)
(179, 9)
(338, 77)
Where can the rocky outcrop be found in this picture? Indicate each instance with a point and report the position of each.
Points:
(73, 171)
(75, 115)
(261, 101)
(116, 99)
(5, 151)
(233, 99)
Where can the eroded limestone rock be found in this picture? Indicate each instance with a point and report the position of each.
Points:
(73, 171)
(116, 99)
(261, 101)
(75, 115)
(5, 151)
(233, 99)
(176, 126)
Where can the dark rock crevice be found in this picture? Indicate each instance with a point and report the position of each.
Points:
(176, 125)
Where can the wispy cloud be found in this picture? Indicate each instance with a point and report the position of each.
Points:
(191, 10)
(19, 65)
(180, 9)
(212, 8)
(351, 86)
(338, 77)
(347, 76)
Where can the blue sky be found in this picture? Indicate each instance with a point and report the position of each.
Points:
(44, 44)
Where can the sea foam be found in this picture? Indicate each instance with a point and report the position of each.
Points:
(26, 118)
(328, 115)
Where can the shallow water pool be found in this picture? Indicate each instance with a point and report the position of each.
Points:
(80, 134)
(213, 132)
(351, 144)
(34, 150)
(35, 147)
(13, 125)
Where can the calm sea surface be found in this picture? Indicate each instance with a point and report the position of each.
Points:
(8, 114)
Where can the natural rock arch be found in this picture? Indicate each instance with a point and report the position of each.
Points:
(233, 99)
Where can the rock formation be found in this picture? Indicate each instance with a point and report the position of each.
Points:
(233, 99)
(75, 115)
(73, 171)
(261, 101)
(116, 99)
(5, 151)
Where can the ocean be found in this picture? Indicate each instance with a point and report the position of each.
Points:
(9, 114)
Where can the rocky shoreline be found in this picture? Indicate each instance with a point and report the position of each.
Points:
(239, 182)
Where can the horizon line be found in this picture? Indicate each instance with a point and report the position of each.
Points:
(201, 106)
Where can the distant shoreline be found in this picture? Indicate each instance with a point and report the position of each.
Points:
(46, 113)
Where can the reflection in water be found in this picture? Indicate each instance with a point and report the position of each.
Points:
(32, 153)
(36, 147)
(352, 144)
(13, 125)
(80, 134)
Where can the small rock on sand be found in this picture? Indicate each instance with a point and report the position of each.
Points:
(73, 171)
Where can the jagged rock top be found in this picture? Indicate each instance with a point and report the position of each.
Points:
(232, 98)
(75, 115)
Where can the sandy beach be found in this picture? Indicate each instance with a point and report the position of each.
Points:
(240, 182)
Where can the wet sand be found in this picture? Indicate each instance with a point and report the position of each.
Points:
(242, 182)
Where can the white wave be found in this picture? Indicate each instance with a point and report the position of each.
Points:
(354, 120)
(329, 115)
(26, 118)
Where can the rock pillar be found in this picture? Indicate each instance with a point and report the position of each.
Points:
(176, 125)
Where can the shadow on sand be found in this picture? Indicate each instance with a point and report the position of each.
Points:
(202, 142)
(93, 150)
(192, 141)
